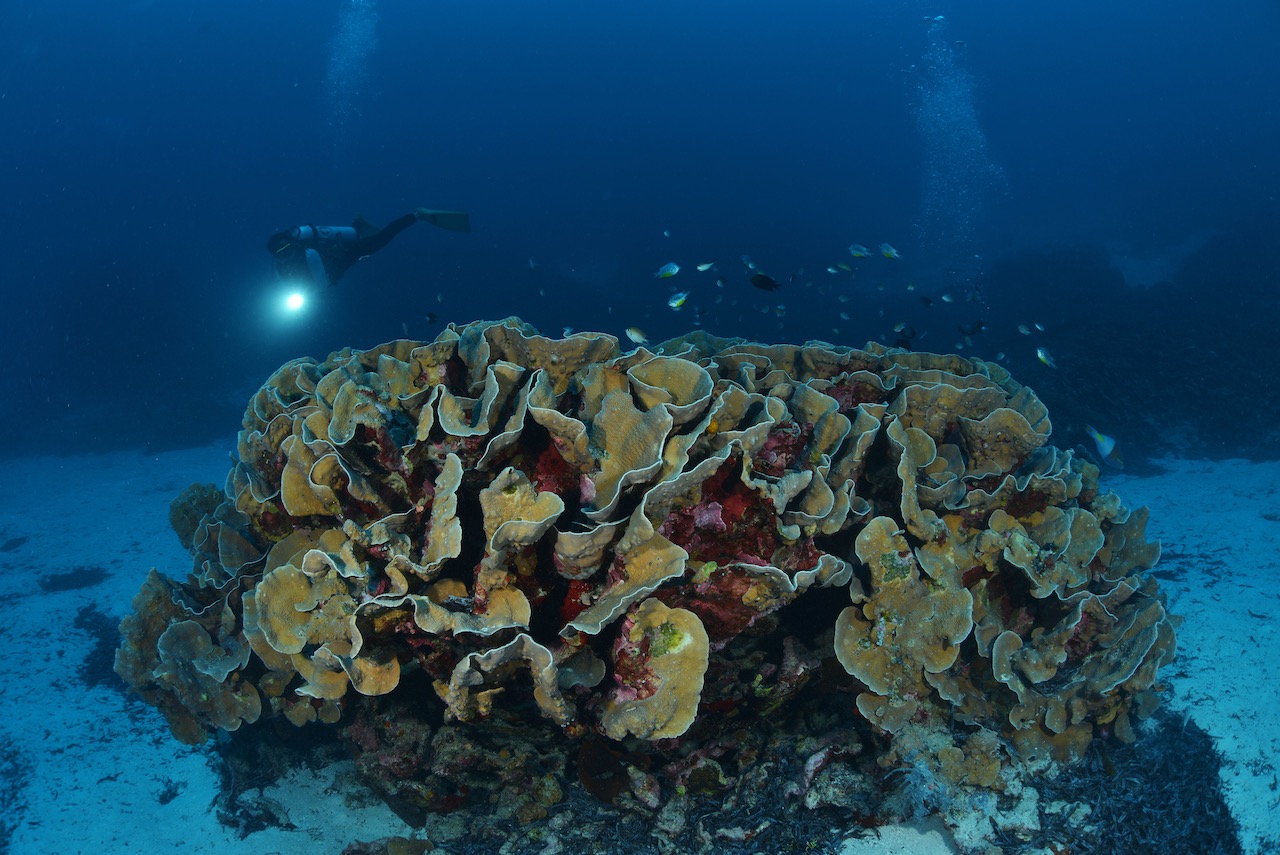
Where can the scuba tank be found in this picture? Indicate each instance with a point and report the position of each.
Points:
(323, 234)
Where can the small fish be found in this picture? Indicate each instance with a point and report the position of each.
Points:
(844, 316)
(947, 298)
(666, 232)
(999, 357)
(926, 302)
(888, 251)
(1040, 327)
(857, 250)
(703, 268)
(568, 331)
(748, 263)
(833, 271)
(637, 335)
(1024, 329)
(721, 282)
(973, 329)
(765, 283)
(432, 317)
(533, 265)
(1107, 449)
(911, 286)
(404, 327)
(1042, 354)
(900, 326)
(677, 300)
(846, 268)
(667, 270)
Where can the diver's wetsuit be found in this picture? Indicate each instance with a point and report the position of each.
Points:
(323, 254)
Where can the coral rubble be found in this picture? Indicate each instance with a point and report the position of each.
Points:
(519, 522)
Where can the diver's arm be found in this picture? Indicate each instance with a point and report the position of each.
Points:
(315, 266)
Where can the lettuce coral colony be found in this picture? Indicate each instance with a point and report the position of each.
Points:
(522, 522)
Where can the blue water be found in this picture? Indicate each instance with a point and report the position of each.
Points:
(1106, 172)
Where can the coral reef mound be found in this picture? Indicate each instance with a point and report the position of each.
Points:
(589, 532)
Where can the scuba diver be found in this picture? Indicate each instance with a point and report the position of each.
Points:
(322, 254)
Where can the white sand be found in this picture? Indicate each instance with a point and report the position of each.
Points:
(96, 774)
(1211, 519)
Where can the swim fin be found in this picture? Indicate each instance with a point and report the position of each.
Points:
(454, 221)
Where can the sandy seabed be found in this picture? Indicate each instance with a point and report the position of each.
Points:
(87, 770)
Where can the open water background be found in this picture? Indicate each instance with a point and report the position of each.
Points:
(1106, 170)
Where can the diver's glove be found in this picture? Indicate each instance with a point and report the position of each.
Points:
(454, 221)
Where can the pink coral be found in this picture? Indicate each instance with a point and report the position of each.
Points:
(709, 516)
(783, 448)
(747, 524)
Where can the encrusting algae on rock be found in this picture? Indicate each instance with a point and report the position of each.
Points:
(597, 533)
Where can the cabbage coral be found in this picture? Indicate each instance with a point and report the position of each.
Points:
(516, 516)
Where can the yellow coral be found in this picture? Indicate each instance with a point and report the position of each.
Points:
(497, 503)
(671, 645)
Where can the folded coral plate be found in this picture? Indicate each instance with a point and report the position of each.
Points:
(500, 508)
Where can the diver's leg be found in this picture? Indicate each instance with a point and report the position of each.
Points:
(369, 244)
